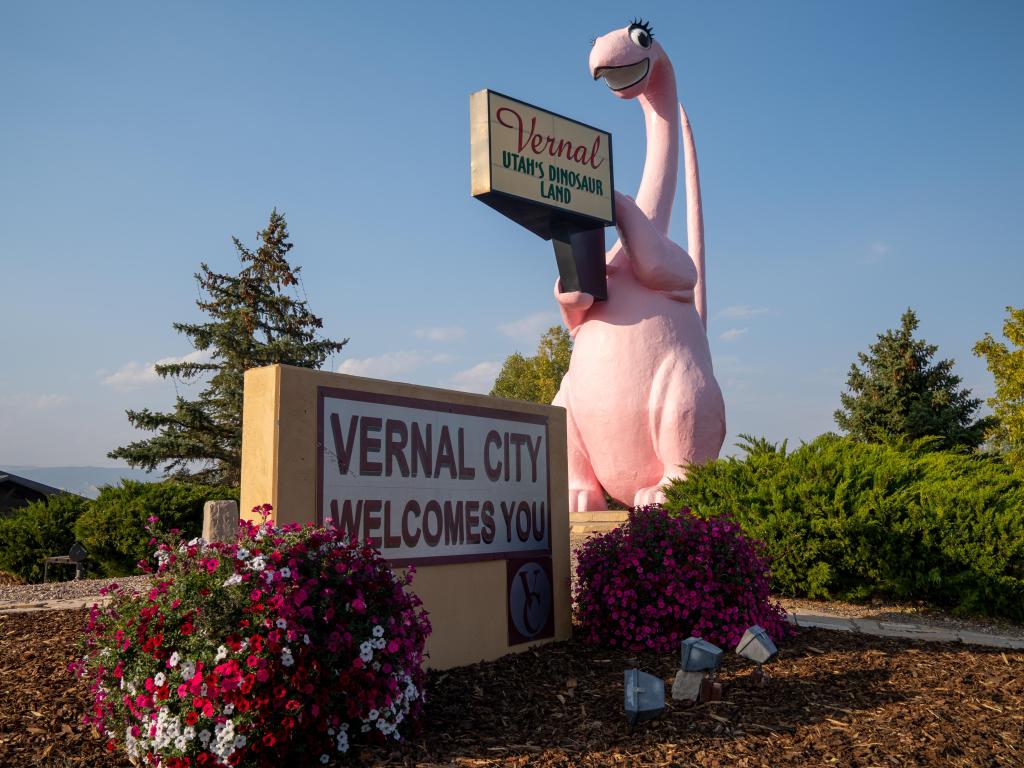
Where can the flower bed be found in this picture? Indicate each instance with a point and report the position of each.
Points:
(660, 578)
(292, 643)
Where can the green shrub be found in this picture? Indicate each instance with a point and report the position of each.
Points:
(114, 527)
(852, 520)
(37, 531)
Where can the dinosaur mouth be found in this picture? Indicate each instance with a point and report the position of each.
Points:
(620, 78)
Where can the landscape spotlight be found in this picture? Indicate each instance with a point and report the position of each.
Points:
(698, 661)
(699, 656)
(757, 646)
(645, 696)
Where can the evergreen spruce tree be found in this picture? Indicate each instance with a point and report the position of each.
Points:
(1006, 363)
(901, 393)
(536, 378)
(254, 321)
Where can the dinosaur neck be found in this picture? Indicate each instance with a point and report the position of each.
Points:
(661, 114)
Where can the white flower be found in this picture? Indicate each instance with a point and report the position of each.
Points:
(188, 671)
(173, 661)
(180, 743)
(189, 733)
(378, 643)
(365, 652)
(204, 736)
(282, 624)
(286, 572)
(258, 563)
(378, 630)
(222, 653)
(229, 708)
(373, 714)
(305, 639)
(286, 657)
(159, 680)
(235, 578)
(239, 741)
(325, 759)
(242, 553)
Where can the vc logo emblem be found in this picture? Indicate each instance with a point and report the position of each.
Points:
(529, 600)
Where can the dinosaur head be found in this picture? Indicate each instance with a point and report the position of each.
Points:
(626, 58)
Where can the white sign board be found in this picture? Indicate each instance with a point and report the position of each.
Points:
(429, 481)
(540, 159)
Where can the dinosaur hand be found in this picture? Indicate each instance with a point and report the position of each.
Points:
(624, 205)
(578, 301)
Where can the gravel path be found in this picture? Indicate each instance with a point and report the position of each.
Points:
(15, 594)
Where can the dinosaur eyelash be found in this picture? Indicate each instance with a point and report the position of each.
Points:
(644, 25)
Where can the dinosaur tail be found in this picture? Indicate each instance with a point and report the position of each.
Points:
(694, 217)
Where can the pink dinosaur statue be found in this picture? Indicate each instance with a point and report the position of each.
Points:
(640, 395)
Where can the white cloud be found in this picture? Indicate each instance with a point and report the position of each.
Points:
(390, 364)
(47, 402)
(878, 250)
(441, 333)
(743, 310)
(480, 378)
(134, 375)
(529, 329)
(34, 402)
(733, 333)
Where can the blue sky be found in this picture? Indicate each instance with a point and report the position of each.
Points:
(856, 158)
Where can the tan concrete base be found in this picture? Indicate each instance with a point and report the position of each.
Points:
(596, 522)
(467, 601)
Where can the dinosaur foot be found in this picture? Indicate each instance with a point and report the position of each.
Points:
(651, 495)
(586, 500)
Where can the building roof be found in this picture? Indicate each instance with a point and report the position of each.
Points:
(17, 491)
(32, 485)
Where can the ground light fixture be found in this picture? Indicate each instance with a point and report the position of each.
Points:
(698, 660)
(645, 696)
(698, 655)
(756, 646)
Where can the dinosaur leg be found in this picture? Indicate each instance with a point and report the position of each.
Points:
(687, 424)
(585, 492)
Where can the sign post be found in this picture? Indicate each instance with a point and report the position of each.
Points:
(550, 174)
(470, 489)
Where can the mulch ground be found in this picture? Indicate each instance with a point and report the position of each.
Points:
(833, 699)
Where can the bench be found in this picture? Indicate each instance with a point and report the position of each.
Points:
(75, 557)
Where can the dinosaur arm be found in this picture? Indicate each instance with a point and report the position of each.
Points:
(658, 263)
(573, 306)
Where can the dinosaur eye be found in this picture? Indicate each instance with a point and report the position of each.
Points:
(640, 34)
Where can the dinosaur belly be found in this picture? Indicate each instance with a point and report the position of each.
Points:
(641, 388)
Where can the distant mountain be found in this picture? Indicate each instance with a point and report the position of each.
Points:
(85, 481)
